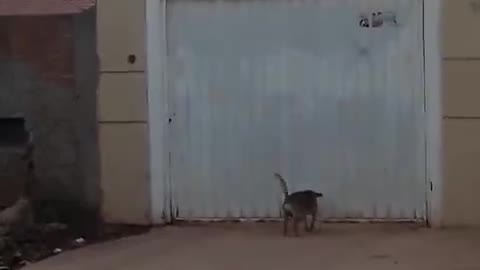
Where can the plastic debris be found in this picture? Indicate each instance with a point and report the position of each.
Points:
(80, 241)
(24, 263)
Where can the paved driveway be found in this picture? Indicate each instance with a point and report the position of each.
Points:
(261, 246)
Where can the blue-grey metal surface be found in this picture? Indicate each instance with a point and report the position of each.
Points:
(299, 88)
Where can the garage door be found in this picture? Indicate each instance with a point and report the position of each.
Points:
(328, 93)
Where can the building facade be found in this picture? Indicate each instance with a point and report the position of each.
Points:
(140, 44)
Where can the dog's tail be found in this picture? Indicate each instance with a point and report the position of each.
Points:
(283, 184)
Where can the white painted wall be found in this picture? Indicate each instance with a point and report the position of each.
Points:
(433, 89)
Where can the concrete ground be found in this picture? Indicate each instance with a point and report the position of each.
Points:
(261, 246)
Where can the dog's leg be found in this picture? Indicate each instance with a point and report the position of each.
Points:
(312, 222)
(305, 219)
(296, 220)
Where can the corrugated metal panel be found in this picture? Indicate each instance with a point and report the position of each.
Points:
(296, 87)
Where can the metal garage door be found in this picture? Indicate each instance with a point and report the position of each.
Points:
(329, 93)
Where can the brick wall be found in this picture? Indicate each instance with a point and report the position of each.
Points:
(45, 43)
(37, 81)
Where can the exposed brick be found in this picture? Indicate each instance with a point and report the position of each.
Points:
(43, 7)
(4, 40)
(46, 44)
(37, 82)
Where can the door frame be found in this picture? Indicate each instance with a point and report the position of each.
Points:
(159, 115)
